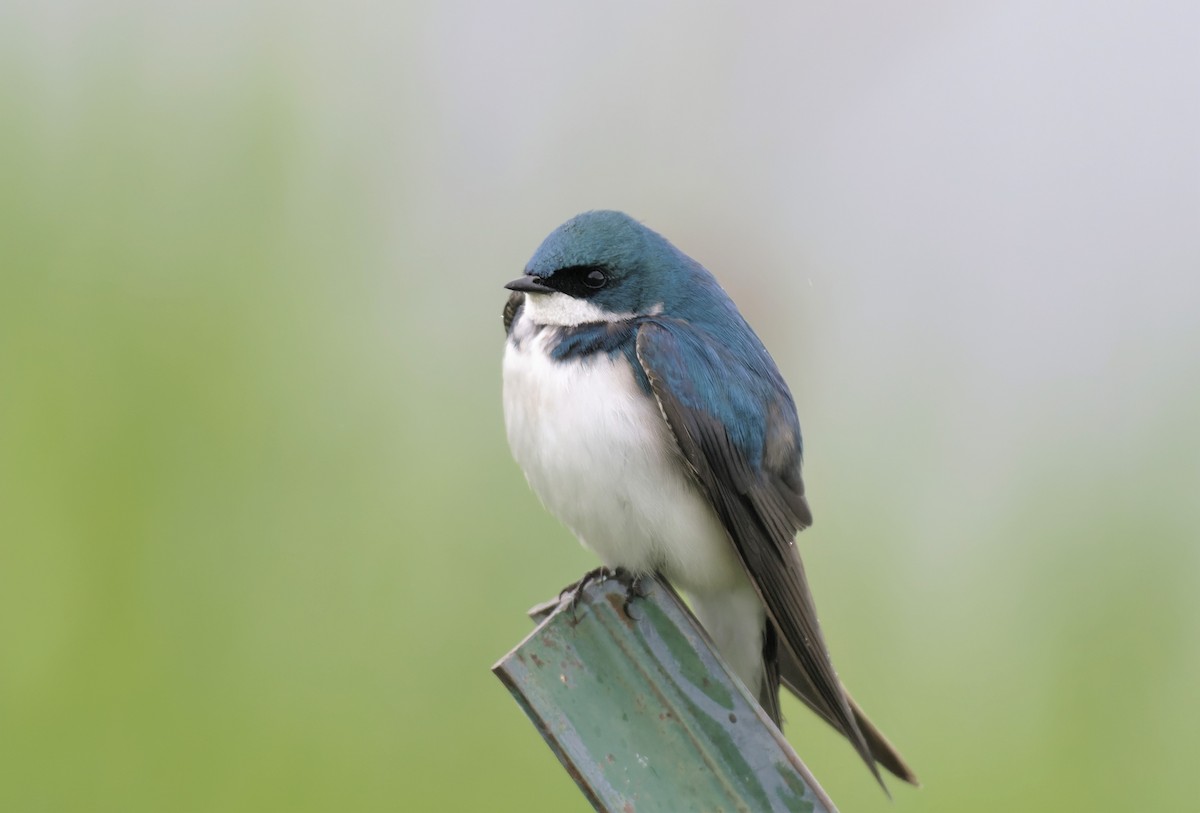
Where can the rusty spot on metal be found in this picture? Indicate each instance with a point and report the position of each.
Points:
(619, 604)
(732, 717)
(538, 662)
(628, 808)
(581, 781)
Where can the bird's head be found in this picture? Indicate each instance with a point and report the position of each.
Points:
(601, 266)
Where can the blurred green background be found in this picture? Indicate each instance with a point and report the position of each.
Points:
(260, 535)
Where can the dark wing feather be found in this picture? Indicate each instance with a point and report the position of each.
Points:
(793, 677)
(761, 505)
(514, 303)
(768, 693)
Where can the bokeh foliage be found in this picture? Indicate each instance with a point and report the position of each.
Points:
(260, 538)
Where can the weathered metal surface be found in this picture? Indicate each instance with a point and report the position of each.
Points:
(645, 717)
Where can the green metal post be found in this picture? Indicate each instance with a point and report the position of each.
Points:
(645, 716)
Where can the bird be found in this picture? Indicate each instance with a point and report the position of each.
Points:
(649, 418)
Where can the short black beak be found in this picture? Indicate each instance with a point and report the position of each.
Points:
(530, 285)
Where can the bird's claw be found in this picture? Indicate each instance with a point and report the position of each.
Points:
(635, 588)
(634, 584)
(573, 593)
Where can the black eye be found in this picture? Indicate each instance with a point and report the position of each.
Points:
(578, 281)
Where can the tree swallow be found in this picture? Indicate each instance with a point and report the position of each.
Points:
(649, 418)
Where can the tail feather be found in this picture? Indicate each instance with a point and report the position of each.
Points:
(794, 678)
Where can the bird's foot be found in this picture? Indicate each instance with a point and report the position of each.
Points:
(636, 586)
(573, 593)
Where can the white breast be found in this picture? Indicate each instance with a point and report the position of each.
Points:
(598, 453)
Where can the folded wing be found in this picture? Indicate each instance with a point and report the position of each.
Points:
(735, 424)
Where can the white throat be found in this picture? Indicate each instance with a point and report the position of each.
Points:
(567, 311)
